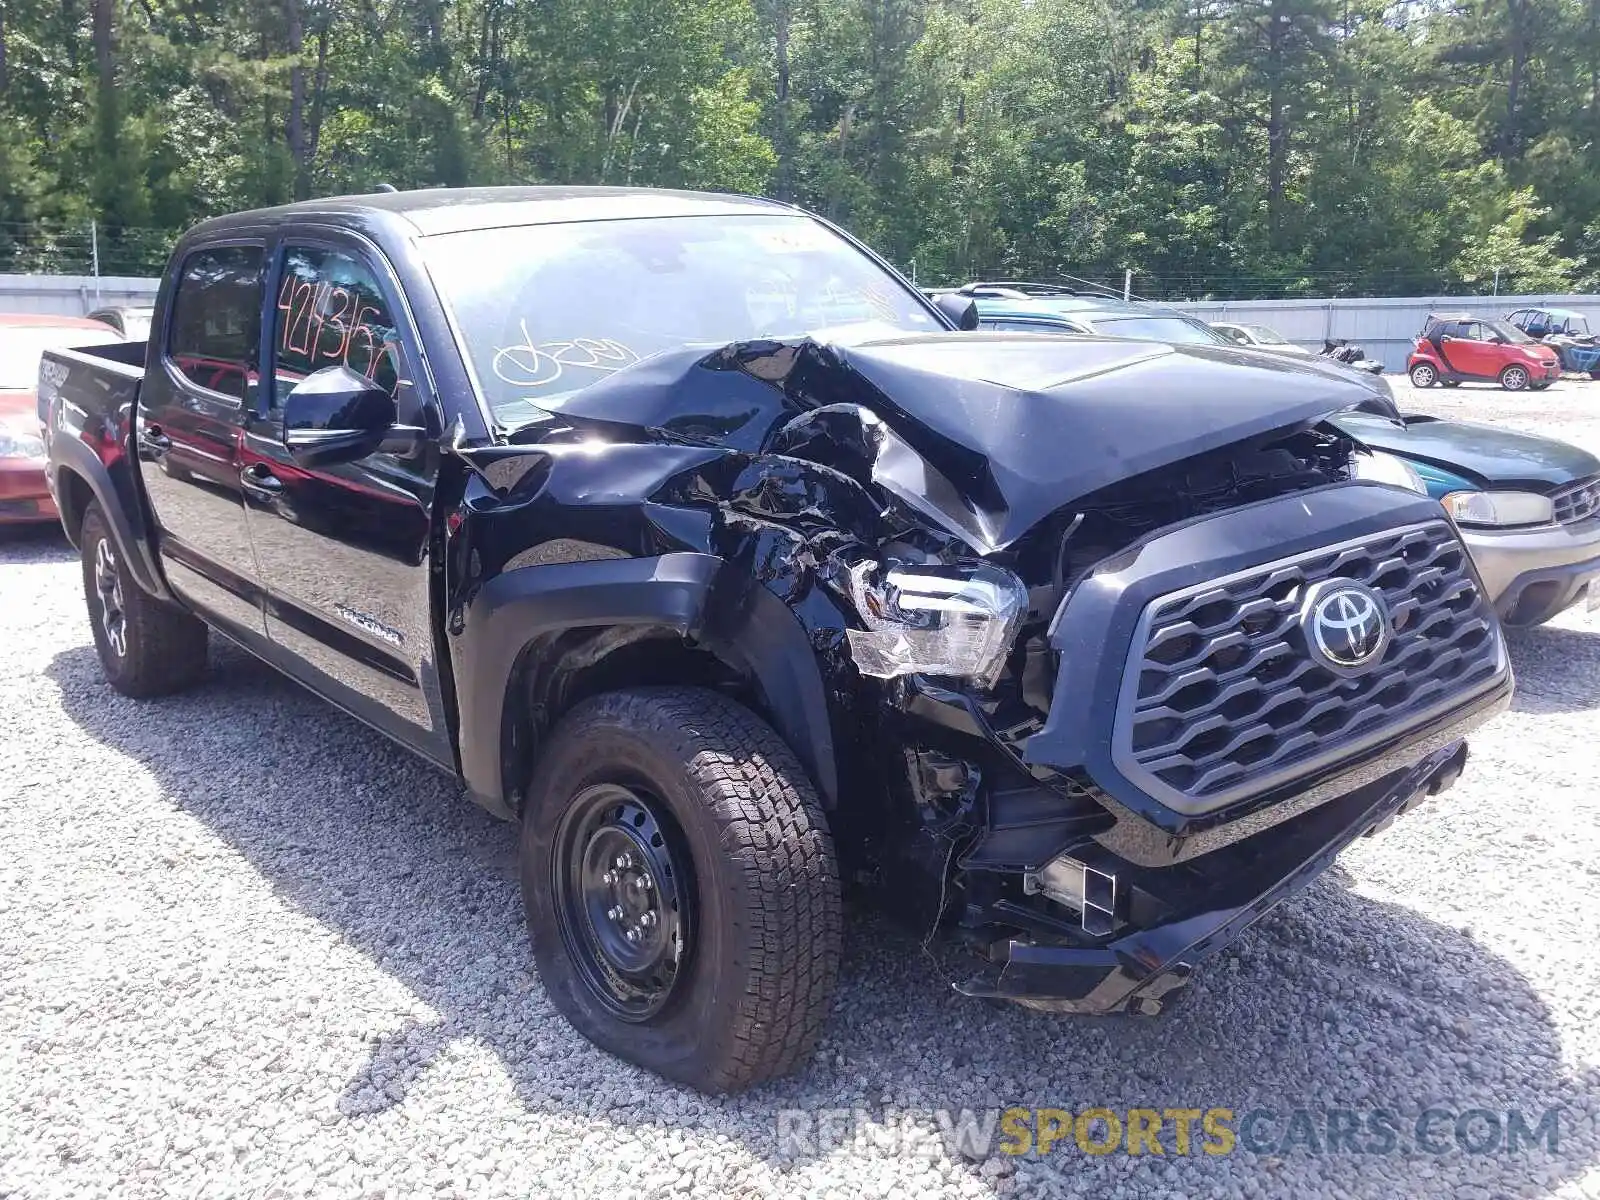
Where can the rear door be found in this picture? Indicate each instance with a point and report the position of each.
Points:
(345, 549)
(204, 374)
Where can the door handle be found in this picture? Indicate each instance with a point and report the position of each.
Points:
(153, 443)
(260, 482)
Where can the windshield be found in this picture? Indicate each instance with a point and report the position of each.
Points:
(1180, 330)
(546, 310)
(1264, 334)
(1574, 323)
(1508, 331)
(21, 346)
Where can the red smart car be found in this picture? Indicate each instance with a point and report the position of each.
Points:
(1458, 348)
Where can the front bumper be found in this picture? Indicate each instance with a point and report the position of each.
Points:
(1244, 881)
(24, 493)
(1533, 574)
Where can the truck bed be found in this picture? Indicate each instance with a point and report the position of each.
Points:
(92, 379)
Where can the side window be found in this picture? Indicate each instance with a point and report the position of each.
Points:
(331, 312)
(216, 320)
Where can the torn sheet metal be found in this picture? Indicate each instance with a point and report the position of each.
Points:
(984, 435)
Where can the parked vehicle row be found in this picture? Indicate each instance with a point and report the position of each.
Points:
(1564, 331)
(685, 531)
(1526, 506)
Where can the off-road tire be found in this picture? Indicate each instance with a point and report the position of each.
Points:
(1424, 375)
(163, 649)
(1515, 378)
(762, 956)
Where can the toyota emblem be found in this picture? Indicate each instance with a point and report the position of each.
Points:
(1346, 625)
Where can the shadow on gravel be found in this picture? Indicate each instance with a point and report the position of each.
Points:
(1558, 670)
(41, 543)
(1333, 1001)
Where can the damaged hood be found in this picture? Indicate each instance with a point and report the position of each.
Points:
(987, 434)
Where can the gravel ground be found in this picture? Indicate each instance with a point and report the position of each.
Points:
(249, 948)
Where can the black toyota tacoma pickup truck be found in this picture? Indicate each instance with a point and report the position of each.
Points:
(685, 531)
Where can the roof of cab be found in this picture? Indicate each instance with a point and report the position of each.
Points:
(453, 210)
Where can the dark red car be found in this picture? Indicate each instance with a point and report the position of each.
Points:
(1456, 348)
(24, 337)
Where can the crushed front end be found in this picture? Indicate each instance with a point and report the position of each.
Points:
(1120, 644)
(1203, 721)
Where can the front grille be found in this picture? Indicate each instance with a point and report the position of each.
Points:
(1577, 502)
(1223, 698)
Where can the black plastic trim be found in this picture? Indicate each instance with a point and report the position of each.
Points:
(513, 609)
(120, 507)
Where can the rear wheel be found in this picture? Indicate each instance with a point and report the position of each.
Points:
(1514, 378)
(1423, 375)
(681, 887)
(146, 646)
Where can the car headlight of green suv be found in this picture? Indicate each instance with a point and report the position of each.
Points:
(1489, 510)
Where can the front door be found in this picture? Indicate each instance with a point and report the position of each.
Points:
(203, 376)
(345, 549)
(1461, 348)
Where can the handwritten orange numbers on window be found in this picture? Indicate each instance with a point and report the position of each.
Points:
(325, 324)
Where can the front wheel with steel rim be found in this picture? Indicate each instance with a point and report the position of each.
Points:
(1423, 375)
(1514, 378)
(146, 646)
(681, 887)
(624, 891)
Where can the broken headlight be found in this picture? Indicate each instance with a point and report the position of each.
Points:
(935, 620)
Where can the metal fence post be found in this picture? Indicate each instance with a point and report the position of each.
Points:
(94, 256)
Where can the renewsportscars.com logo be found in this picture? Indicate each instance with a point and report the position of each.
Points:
(1174, 1132)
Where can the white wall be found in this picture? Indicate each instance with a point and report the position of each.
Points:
(1386, 328)
(71, 295)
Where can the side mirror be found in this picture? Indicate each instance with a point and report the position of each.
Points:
(336, 415)
(963, 310)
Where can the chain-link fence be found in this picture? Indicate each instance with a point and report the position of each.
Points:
(1240, 284)
(86, 248)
